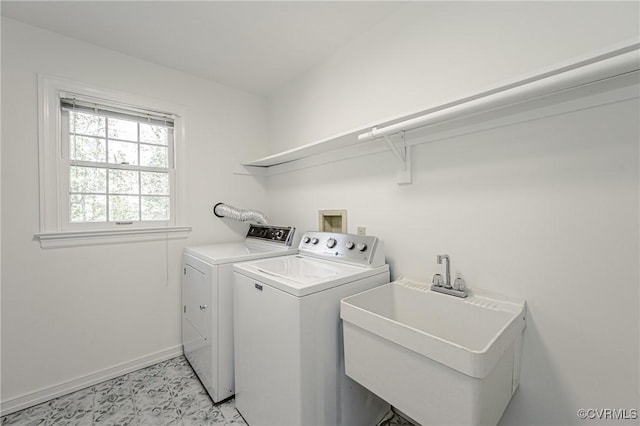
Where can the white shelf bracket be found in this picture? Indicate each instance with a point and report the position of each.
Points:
(400, 153)
(403, 154)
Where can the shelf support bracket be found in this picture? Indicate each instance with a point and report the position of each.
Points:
(403, 154)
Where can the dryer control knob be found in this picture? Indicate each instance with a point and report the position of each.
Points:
(314, 241)
(306, 240)
(361, 246)
(349, 245)
(331, 242)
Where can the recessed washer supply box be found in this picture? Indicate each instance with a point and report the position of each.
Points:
(439, 359)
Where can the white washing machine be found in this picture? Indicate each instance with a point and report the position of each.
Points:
(207, 304)
(288, 337)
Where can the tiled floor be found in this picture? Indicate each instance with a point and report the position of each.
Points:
(168, 393)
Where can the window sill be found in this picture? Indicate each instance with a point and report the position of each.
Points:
(90, 238)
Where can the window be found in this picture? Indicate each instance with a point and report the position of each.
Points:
(119, 165)
(109, 166)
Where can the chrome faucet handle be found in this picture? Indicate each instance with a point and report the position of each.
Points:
(459, 284)
(438, 280)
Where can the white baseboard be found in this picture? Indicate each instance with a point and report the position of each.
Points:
(48, 393)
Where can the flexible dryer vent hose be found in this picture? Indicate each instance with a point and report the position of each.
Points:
(223, 210)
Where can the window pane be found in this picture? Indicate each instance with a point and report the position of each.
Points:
(124, 207)
(87, 124)
(155, 183)
(88, 208)
(87, 149)
(155, 208)
(154, 156)
(123, 182)
(123, 129)
(123, 152)
(153, 134)
(87, 179)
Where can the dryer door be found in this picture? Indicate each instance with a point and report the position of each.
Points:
(197, 319)
(196, 290)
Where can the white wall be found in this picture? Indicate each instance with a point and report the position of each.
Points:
(546, 210)
(428, 53)
(71, 312)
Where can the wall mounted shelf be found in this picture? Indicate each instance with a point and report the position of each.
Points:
(595, 79)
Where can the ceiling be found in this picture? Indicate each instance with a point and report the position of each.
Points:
(254, 46)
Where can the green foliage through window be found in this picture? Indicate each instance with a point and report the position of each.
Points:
(119, 169)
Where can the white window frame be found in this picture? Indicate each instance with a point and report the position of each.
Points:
(56, 229)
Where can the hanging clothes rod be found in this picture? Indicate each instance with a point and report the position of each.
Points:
(611, 64)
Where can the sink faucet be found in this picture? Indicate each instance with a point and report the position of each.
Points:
(447, 268)
(457, 288)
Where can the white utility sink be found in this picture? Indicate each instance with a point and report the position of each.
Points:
(437, 358)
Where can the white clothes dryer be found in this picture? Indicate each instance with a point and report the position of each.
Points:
(288, 340)
(207, 305)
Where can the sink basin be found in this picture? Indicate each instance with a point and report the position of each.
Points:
(438, 358)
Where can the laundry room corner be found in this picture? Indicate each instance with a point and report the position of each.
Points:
(101, 310)
(525, 209)
(314, 213)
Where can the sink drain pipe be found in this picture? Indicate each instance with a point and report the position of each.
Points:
(223, 210)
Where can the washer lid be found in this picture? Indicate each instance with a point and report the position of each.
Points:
(216, 254)
(300, 275)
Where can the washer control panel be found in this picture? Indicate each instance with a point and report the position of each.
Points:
(279, 234)
(343, 247)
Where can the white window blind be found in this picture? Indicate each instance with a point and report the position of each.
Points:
(87, 104)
